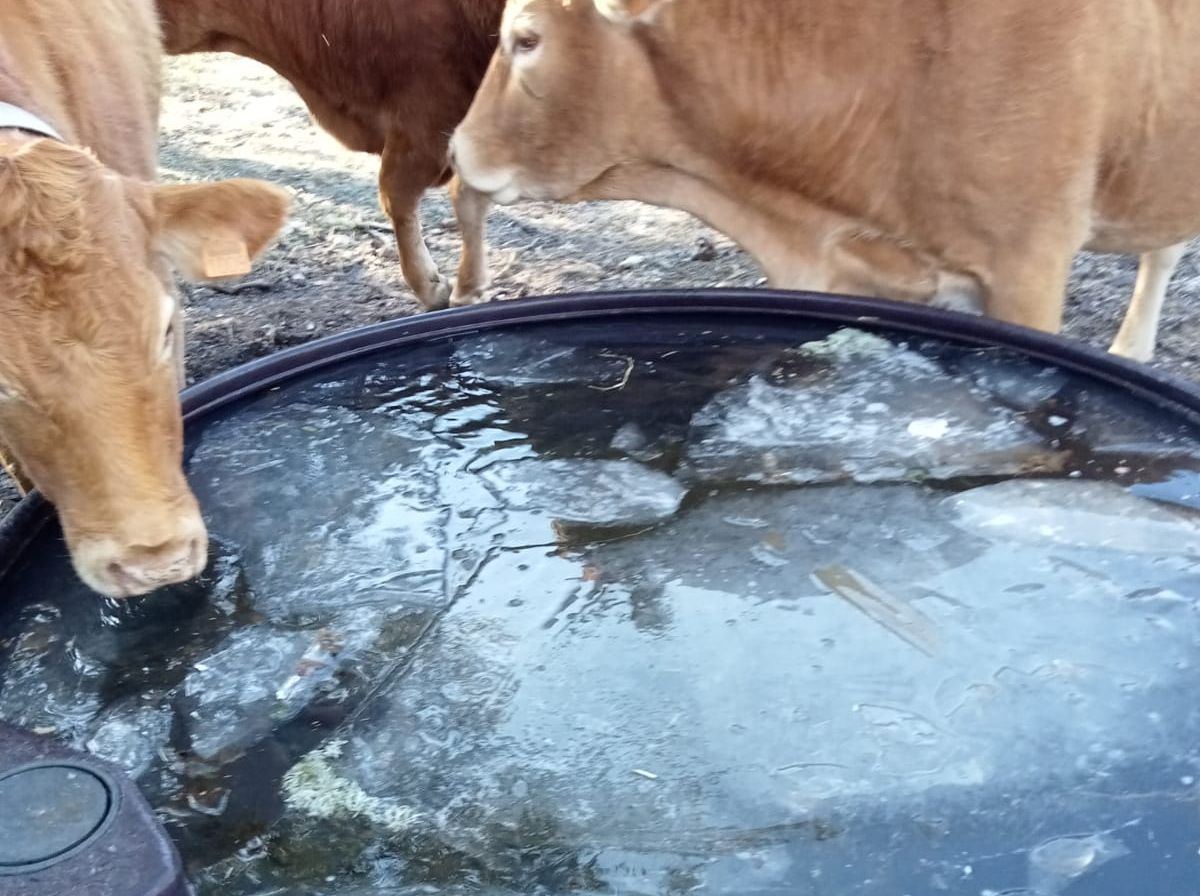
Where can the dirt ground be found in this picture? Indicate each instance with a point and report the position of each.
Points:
(335, 266)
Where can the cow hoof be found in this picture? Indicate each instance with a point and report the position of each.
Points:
(468, 296)
(1133, 352)
(438, 296)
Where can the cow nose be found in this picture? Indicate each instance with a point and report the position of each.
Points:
(139, 569)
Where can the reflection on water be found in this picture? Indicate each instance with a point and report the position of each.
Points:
(661, 612)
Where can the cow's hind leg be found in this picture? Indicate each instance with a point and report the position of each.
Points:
(471, 208)
(1139, 331)
(404, 176)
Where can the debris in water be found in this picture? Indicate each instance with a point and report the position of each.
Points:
(211, 802)
(1056, 863)
(313, 787)
(929, 427)
(889, 611)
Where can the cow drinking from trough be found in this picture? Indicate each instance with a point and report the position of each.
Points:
(996, 139)
(389, 77)
(90, 323)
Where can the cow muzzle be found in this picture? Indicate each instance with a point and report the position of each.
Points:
(163, 548)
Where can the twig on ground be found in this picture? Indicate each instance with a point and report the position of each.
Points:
(239, 288)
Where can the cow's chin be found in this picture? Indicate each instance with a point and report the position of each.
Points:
(508, 194)
(510, 188)
(499, 185)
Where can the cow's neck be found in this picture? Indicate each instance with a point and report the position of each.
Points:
(788, 239)
(22, 116)
(810, 91)
(94, 93)
(19, 114)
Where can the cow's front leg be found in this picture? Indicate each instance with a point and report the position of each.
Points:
(404, 176)
(471, 208)
(1029, 287)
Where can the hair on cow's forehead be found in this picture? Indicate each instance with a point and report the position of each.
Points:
(60, 210)
(74, 241)
(42, 211)
(514, 15)
(519, 13)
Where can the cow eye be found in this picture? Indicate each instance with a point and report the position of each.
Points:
(526, 43)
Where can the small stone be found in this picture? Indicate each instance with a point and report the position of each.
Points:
(631, 441)
(705, 250)
(632, 262)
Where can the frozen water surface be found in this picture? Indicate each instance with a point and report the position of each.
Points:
(641, 706)
(676, 612)
(355, 496)
(512, 359)
(1095, 515)
(596, 492)
(856, 406)
(261, 677)
(131, 733)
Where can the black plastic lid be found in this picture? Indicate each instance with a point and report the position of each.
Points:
(48, 811)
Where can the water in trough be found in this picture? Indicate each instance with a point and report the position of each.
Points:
(659, 612)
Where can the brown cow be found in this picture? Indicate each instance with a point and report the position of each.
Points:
(996, 139)
(390, 77)
(89, 312)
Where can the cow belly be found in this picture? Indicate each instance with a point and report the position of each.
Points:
(1125, 241)
(1160, 209)
(1149, 190)
(1150, 221)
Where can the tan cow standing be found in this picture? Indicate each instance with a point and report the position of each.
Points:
(995, 138)
(91, 346)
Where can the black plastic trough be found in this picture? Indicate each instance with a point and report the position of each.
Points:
(111, 808)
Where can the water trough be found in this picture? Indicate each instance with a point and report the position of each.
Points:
(728, 592)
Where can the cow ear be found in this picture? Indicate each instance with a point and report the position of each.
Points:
(209, 231)
(626, 11)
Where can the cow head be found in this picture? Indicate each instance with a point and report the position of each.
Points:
(92, 348)
(561, 103)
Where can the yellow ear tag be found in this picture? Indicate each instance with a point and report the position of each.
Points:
(225, 258)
